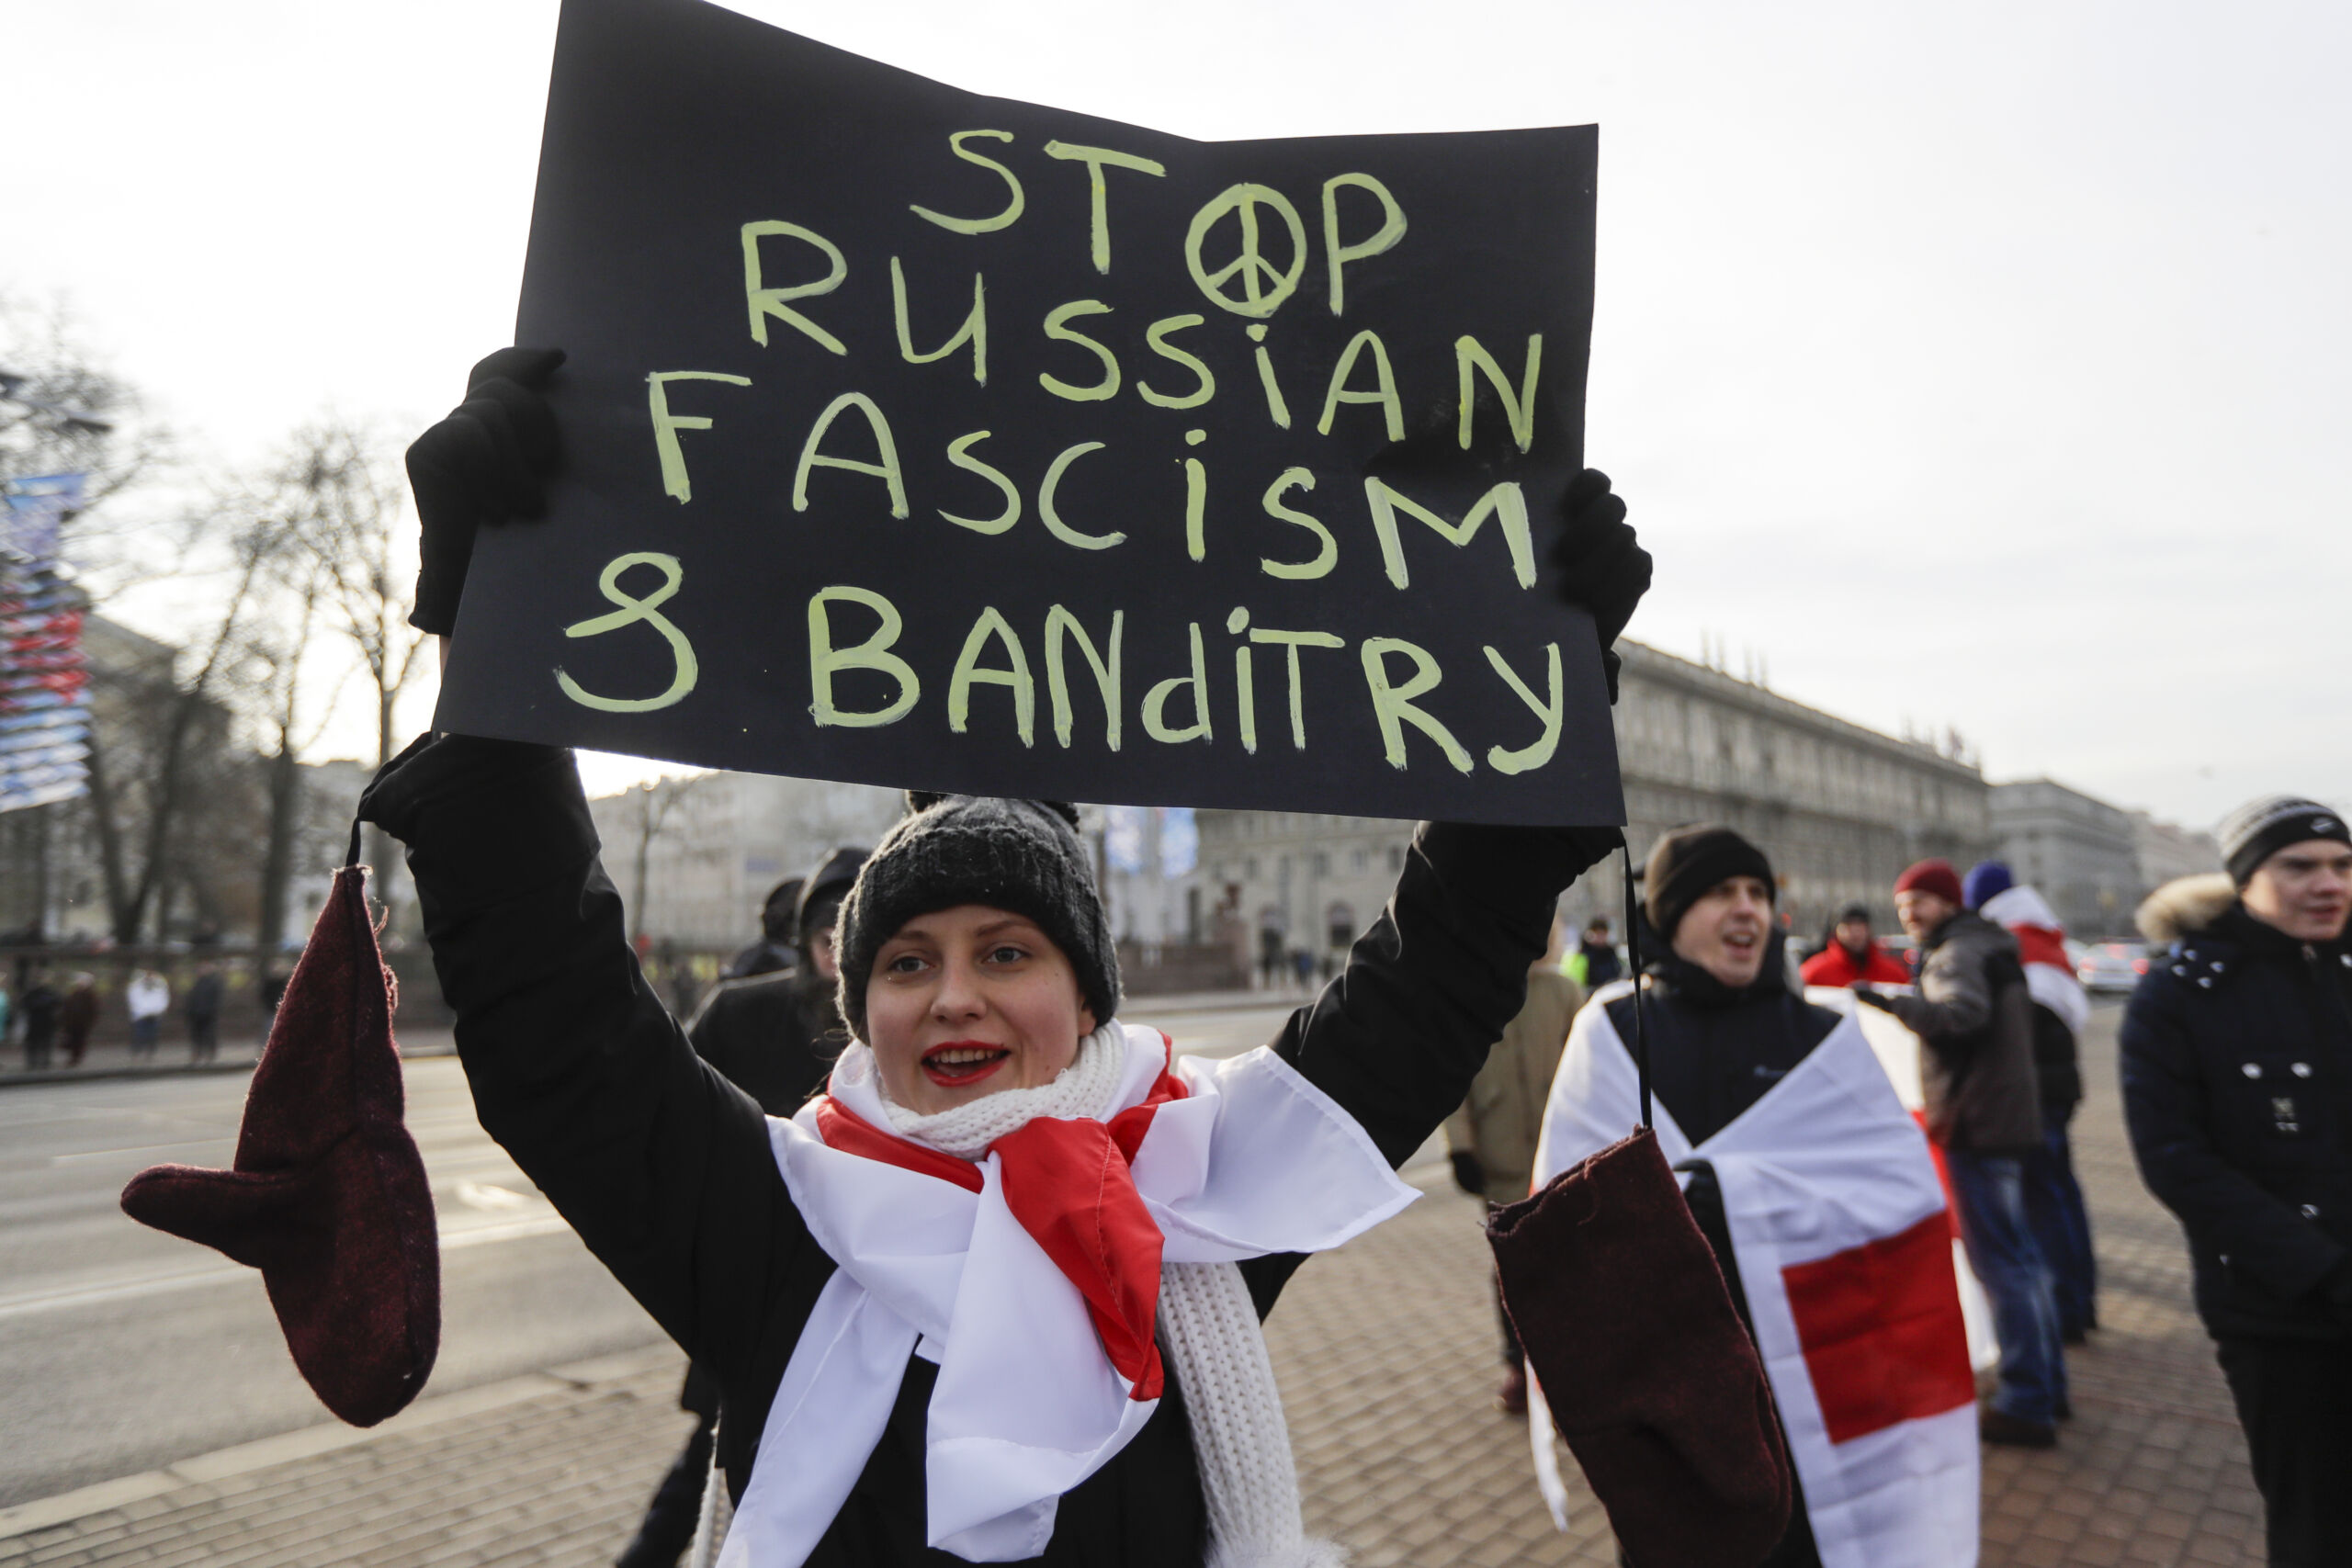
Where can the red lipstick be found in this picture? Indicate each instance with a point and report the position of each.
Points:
(959, 1063)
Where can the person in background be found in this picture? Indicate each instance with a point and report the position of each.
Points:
(1722, 1027)
(775, 950)
(2237, 1089)
(2054, 1198)
(7, 1016)
(1595, 963)
(39, 1004)
(203, 1007)
(1973, 1017)
(147, 997)
(1492, 1137)
(78, 1017)
(773, 1035)
(1851, 956)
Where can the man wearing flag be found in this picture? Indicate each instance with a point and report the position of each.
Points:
(1815, 1187)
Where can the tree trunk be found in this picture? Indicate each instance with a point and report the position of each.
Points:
(278, 862)
(109, 829)
(166, 796)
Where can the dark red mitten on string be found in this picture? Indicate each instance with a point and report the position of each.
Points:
(1651, 1377)
(328, 1196)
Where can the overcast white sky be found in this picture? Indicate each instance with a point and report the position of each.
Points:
(1982, 365)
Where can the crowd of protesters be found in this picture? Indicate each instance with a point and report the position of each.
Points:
(51, 1018)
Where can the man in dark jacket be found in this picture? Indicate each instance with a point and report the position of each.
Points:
(2237, 1086)
(1974, 1016)
(1595, 963)
(204, 1012)
(774, 951)
(769, 1034)
(40, 1005)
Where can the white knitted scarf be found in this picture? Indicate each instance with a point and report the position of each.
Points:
(1208, 1330)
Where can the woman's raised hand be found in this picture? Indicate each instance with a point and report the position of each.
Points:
(1601, 567)
(487, 462)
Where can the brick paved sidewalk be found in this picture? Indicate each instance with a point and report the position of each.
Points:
(1385, 1352)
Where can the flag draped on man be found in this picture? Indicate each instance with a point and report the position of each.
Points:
(1838, 1228)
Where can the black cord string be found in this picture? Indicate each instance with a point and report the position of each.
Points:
(353, 858)
(1634, 959)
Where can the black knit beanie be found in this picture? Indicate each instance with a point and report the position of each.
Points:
(1022, 857)
(2260, 828)
(779, 915)
(821, 896)
(1688, 861)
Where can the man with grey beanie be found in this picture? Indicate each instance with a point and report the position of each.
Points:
(2237, 1086)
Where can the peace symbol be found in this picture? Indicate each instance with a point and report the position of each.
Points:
(1263, 286)
(632, 611)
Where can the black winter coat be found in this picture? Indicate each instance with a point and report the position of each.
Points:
(1716, 1051)
(665, 1170)
(2237, 1088)
(1974, 1019)
(768, 1035)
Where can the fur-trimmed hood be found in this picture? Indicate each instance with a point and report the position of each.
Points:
(2185, 906)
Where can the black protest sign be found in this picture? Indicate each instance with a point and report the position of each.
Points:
(934, 440)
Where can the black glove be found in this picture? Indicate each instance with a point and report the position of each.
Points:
(1602, 568)
(487, 462)
(1468, 1174)
(1869, 998)
(2334, 1289)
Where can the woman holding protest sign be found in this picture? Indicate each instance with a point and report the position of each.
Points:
(997, 1293)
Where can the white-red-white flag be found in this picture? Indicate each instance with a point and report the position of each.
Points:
(1840, 1231)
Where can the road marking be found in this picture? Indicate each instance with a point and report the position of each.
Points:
(28, 1302)
(141, 1149)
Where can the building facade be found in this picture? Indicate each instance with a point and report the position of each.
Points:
(694, 857)
(2081, 854)
(2167, 852)
(1842, 809)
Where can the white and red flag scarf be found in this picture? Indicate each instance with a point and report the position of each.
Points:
(1030, 1278)
(2041, 948)
(1839, 1228)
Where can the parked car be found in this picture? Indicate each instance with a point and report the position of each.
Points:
(2113, 966)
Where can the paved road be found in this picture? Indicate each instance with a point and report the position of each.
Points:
(1385, 1353)
(122, 1349)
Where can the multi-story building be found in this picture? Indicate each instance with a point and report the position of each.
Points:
(1840, 809)
(694, 857)
(2166, 851)
(2079, 851)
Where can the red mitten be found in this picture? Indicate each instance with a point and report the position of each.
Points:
(328, 1197)
(1651, 1377)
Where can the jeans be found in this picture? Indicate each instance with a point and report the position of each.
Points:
(1990, 1191)
(2062, 1228)
(143, 1034)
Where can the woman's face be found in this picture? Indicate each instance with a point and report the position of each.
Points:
(967, 1001)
